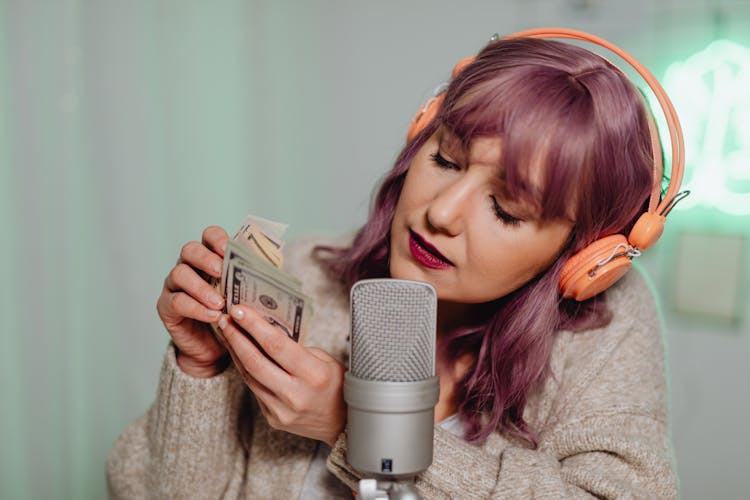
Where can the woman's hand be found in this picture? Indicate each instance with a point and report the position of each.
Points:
(303, 393)
(188, 303)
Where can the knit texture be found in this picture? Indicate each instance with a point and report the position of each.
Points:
(601, 420)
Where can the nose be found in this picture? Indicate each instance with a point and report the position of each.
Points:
(449, 208)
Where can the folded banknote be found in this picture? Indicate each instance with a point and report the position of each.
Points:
(252, 275)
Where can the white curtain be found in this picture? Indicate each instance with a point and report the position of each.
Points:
(125, 129)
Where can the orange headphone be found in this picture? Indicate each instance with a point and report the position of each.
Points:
(603, 262)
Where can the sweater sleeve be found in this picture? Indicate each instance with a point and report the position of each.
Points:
(610, 438)
(187, 445)
(599, 456)
(605, 434)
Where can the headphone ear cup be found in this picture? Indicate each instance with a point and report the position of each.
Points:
(647, 230)
(460, 65)
(582, 277)
(427, 112)
(430, 109)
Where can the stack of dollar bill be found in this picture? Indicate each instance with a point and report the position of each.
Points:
(252, 275)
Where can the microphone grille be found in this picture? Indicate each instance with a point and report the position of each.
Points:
(393, 330)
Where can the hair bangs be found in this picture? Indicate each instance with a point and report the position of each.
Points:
(543, 117)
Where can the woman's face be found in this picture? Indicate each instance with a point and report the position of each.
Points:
(456, 228)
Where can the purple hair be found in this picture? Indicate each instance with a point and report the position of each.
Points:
(571, 115)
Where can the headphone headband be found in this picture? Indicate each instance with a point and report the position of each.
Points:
(600, 264)
(675, 130)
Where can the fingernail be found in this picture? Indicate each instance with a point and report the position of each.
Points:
(216, 267)
(223, 322)
(237, 313)
(217, 299)
(213, 314)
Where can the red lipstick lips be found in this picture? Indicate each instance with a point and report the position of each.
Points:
(426, 254)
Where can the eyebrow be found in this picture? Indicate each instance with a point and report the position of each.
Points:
(530, 202)
(530, 210)
(447, 139)
(450, 141)
(529, 206)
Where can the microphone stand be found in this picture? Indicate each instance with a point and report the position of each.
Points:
(373, 489)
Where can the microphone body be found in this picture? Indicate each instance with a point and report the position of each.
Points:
(391, 388)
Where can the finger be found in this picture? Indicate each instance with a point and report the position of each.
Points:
(222, 340)
(276, 412)
(198, 256)
(185, 278)
(271, 404)
(181, 305)
(250, 358)
(268, 403)
(263, 407)
(215, 238)
(266, 399)
(320, 354)
(253, 384)
(291, 356)
(235, 359)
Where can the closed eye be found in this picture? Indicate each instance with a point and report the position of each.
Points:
(443, 163)
(504, 216)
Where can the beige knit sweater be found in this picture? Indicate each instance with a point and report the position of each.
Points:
(601, 419)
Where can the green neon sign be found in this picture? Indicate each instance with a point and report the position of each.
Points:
(711, 93)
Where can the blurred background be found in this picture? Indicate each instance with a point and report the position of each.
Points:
(127, 127)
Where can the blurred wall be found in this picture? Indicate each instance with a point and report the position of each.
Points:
(127, 127)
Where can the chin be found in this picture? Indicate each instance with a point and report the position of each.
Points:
(408, 271)
(402, 271)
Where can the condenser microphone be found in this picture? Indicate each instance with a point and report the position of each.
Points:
(391, 388)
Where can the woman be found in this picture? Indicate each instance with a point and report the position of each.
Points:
(538, 149)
